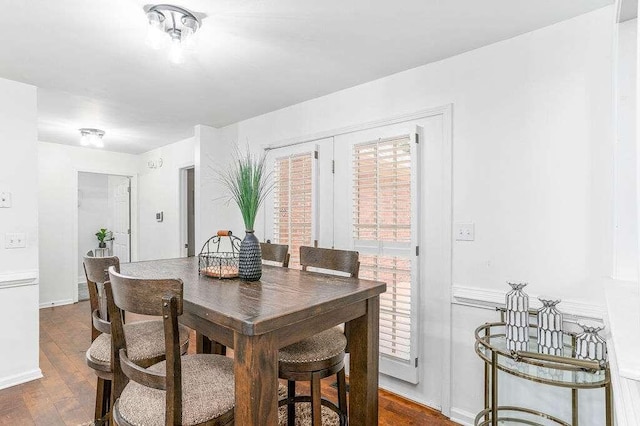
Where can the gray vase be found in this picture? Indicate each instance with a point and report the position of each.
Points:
(250, 262)
(517, 318)
(550, 334)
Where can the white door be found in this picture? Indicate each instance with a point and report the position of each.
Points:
(376, 191)
(120, 201)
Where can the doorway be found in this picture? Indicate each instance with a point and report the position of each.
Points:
(188, 212)
(104, 202)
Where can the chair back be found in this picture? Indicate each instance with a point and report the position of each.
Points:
(331, 259)
(96, 273)
(158, 297)
(141, 295)
(278, 253)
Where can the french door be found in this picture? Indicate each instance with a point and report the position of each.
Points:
(376, 191)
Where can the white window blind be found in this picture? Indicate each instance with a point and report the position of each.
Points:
(383, 201)
(293, 203)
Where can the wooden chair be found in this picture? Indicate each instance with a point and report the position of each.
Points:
(321, 355)
(183, 390)
(147, 339)
(278, 253)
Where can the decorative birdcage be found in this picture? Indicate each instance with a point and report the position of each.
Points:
(220, 256)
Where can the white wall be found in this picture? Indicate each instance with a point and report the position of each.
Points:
(532, 168)
(93, 213)
(18, 267)
(626, 229)
(159, 190)
(58, 167)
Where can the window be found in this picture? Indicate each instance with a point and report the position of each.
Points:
(293, 203)
(383, 202)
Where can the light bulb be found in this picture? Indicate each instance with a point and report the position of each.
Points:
(156, 35)
(97, 141)
(84, 140)
(189, 27)
(175, 51)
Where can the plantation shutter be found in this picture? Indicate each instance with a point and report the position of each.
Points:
(385, 233)
(293, 205)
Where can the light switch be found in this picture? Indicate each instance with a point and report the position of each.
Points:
(465, 232)
(15, 240)
(5, 200)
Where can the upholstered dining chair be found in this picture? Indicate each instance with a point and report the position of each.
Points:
(277, 253)
(321, 355)
(182, 390)
(146, 338)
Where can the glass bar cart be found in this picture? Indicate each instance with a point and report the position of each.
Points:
(563, 371)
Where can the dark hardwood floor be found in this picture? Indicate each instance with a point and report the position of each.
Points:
(65, 395)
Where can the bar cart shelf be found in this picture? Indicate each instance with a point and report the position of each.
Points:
(561, 371)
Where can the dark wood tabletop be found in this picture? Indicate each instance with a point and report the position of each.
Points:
(285, 306)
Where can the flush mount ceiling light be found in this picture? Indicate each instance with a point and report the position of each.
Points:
(171, 27)
(91, 137)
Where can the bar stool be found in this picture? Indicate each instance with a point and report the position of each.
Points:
(146, 339)
(322, 355)
(183, 390)
(277, 253)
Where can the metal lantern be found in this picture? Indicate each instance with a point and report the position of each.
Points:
(517, 318)
(220, 255)
(589, 344)
(550, 334)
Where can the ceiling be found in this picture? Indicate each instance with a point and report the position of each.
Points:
(93, 68)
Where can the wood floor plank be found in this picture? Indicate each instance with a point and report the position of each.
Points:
(65, 395)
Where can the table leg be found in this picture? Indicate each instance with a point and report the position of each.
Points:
(256, 376)
(203, 344)
(363, 372)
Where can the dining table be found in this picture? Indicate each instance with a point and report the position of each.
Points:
(257, 318)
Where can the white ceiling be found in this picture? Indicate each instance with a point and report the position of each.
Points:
(93, 68)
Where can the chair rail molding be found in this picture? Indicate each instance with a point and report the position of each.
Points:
(491, 299)
(18, 278)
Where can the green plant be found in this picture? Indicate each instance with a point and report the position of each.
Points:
(101, 234)
(248, 184)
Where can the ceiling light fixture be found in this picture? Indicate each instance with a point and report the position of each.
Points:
(171, 27)
(91, 137)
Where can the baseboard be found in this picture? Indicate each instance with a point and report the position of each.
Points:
(17, 379)
(56, 303)
(463, 417)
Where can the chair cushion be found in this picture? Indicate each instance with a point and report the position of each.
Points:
(208, 391)
(145, 340)
(319, 347)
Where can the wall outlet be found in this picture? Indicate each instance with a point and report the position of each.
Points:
(5, 200)
(465, 232)
(15, 240)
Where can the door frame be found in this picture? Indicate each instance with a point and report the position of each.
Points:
(182, 202)
(446, 237)
(133, 219)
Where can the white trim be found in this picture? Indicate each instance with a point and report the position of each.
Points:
(463, 417)
(18, 279)
(20, 378)
(622, 320)
(58, 302)
(183, 208)
(133, 209)
(396, 119)
(490, 299)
